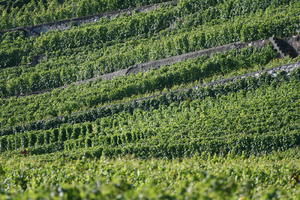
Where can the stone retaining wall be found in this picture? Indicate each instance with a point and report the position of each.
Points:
(144, 67)
(67, 24)
(175, 59)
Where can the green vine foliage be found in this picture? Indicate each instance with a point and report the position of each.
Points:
(202, 128)
(51, 74)
(99, 92)
(228, 177)
(228, 118)
(153, 103)
(30, 12)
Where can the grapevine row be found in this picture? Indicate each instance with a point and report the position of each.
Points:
(184, 42)
(246, 83)
(151, 127)
(100, 92)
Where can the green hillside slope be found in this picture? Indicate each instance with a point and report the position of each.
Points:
(29, 12)
(183, 100)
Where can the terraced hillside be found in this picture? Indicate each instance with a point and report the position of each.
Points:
(151, 99)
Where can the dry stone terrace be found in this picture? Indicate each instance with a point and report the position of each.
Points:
(204, 95)
(69, 23)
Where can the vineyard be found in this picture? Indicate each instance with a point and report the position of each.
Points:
(149, 99)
